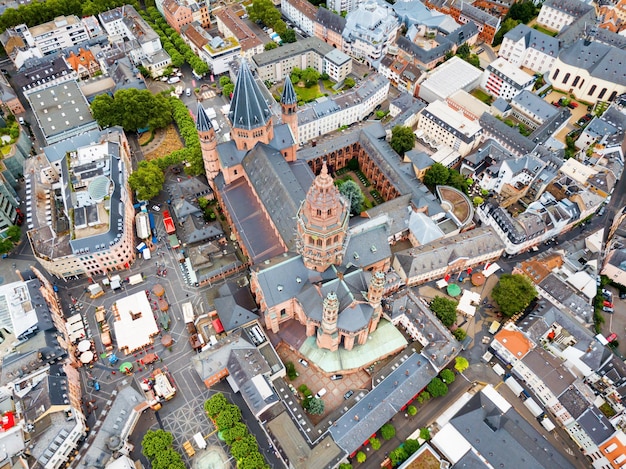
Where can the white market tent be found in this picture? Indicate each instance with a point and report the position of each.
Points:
(134, 322)
(467, 302)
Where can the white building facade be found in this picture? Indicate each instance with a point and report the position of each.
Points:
(504, 80)
(527, 47)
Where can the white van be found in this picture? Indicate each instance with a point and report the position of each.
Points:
(321, 393)
(173, 80)
(188, 92)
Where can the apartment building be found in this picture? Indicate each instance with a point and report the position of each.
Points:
(504, 80)
(531, 110)
(56, 35)
(444, 126)
(179, 13)
(230, 25)
(329, 27)
(526, 47)
(556, 14)
(124, 24)
(312, 52)
(402, 74)
(301, 13)
(328, 114)
(370, 29)
(216, 51)
(92, 233)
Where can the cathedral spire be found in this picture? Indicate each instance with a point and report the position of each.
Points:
(289, 94)
(289, 107)
(249, 112)
(322, 223)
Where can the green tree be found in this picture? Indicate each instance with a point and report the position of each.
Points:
(402, 139)
(269, 46)
(315, 406)
(310, 76)
(477, 201)
(411, 410)
(253, 461)
(349, 83)
(522, 11)
(424, 396)
(437, 388)
(459, 334)
(513, 293)
(234, 433)
(243, 447)
(215, 404)
(345, 465)
(147, 181)
(360, 457)
(444, 309)
(291, 370)
(353, 164)
(505, 27)
(168, 459)
(436, 175)
(447, 376)
(387, 431)
(375, 442)
(224, 80)
(398, 456)
(461, 364)
(411, 446)
(228, 90)
(352, 192)
(155, 442)
(14, 233)
(228, 417)
(266, 12)
(288, 36)
(425, 433)
(456, 180)
(104, 111)
(463, 51)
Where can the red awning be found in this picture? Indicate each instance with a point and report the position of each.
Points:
(447, 277)
(217, 325)
(8, 421)
(469, 271)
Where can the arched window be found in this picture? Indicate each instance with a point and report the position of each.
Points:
(576, 80)
(602, 93)
(335, 239)
(567, 75)
(319, 242)
(592, 90)
(556, 74)
(311, 240)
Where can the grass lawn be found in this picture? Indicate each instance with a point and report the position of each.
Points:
(545, 31)
(328, 84)
(308, 94)
(480, 94)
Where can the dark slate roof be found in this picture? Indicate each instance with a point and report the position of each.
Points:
(277, 187)
(534, 39)
(330, 20)
(248, 109)
(599, 60)
(574, 401)
(289, 94)
(505, 135)
(504, 437)
(243, 366)
(575, 8)
(203, 123)
(383, 402)
(596, 425)
(235, 306)
(530, 102)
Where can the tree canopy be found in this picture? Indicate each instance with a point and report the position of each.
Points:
(398, 455)
(315, 406)
(513, 293)
(402, 139)
(309, 76)
(352, 192)
(461, 364)
(269, 46)
(228, 417)
(447, 376)
(437, 388)
(132, 109)
(147, 181)
(234, 433)
(266, 12)
(243, 447)
(444, 309)
(154, 442)
(169, 458)
(438, 175)
(387, 431)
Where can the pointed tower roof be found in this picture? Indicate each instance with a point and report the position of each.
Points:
(289, 94)
(248, 109)
(203, 123)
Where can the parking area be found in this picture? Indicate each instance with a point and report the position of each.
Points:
(616, 323)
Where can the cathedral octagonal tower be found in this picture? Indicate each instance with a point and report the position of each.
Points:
(322, 224)
(208, 144)
(249, 113)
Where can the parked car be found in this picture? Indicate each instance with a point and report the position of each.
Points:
(608, 310)
(572, 105)
(348, 394)
(303, 362)
(611, 337)
(336, 377)
(608, 304)
(156, 208)
(622, 295)
(321, 393)
(607, 293)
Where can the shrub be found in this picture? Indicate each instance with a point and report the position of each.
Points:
(375, 442)
(411, 410)
(361, 457)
